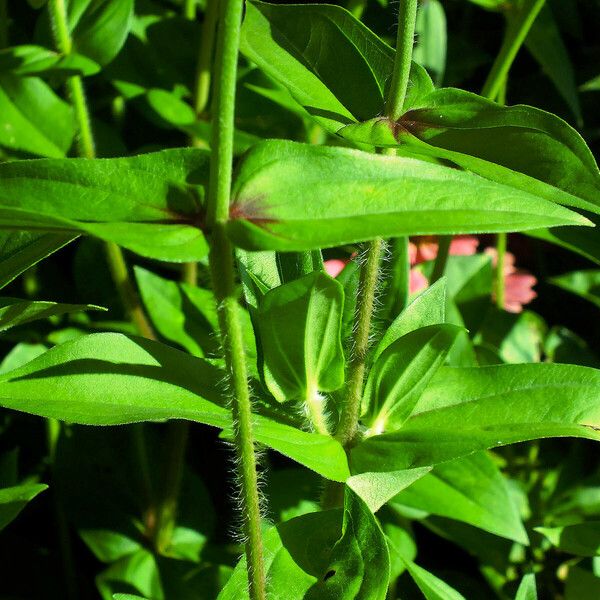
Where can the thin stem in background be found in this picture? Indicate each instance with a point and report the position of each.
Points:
(494, 88)
(116, 261)
(439, 266)
(189, 9)
(221, 260)
(513, 40)
(501, 242)
(205, 57)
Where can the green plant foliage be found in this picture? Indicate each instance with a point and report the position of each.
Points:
(352, 562)
(80, 196)
(465, 410)
(14, 499)
(37, 60)
(400, 375)
(471, 490)
(582, 539)
(33, 118)
(583, 283)
(269, 210)
(300, 326)
(527, 589)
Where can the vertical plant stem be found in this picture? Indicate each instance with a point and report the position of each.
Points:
(369, 276)
(439, 266)
(221, 261)
(205, 56)
(513, 40)
(405, 39)
(116, 261)
(501, 241)
(494, 88)
(189, 9)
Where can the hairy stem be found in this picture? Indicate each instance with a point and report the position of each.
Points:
(513, 40)
(221, 261)
(439, 266)
(369, 276)
(405, 39)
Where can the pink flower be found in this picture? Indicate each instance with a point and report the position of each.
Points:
(425, 247)
(417, 281)
(335, 266)
(518, 283)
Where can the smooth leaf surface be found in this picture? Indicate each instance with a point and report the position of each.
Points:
(113, 379)
(527, 589)
(583, 283)
(331, 64)
(470, 489)
(464, 410)
(401, 373)
(582, 539)
(184, 314)
(33, 118)
(311, 557)
(14, 499)
(428, 308)
(99, 28)
(109, 198)
(290, 196)
(15, 312)
(432, 587)
(36, 60)
(376, 489)
(521, 146)
(300, 332)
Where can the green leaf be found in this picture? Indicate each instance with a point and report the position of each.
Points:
(583, 283)
(375, 489)
(181, 313)
(113, 379)
(33, 118)
(471, 490)
(310, 556)
(430, 29)
(99, 28)
(428, 308)
(36, 60)
(400, 375)
(15, 312)
(14, 499)
(464, 410)
(582, 242)
(288, 196)
(547, 47)
(171, 109)
(20, 250)
(527, 589)
(520, 146)
(331, 64)
(581, 584)
(109, 198)
(432, 587)
(127, 597)
(582, 539)
(300, 333)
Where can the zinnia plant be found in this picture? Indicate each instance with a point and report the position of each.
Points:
(270, 328)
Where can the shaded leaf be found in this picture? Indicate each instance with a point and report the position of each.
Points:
(583, 283)
(37, 60)
(312, 557)
(527, 589)
(108, 198)
(14, 499)
(33, 118)
(582, 539)
(471, 490)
